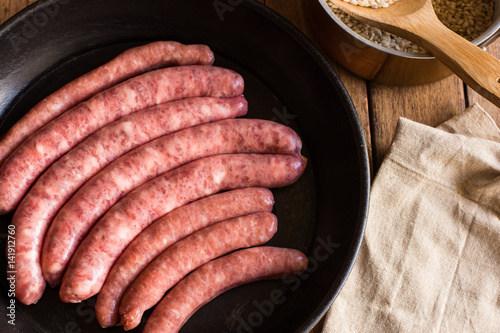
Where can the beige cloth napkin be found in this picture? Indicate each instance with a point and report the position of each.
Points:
(430, 257)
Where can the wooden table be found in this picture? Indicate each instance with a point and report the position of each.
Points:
(378, 106)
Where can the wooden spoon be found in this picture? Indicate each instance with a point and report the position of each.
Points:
(416, 20)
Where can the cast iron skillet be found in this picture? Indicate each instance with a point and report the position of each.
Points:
(287, 80)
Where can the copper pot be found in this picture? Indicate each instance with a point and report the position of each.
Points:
(375, 62)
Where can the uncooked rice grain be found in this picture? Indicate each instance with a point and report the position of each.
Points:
(468, 18)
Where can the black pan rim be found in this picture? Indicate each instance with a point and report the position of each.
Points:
(362, 152)
(334, 78)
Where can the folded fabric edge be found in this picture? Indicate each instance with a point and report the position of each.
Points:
(475, 122)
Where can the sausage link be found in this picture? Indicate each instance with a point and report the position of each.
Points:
(42, 148)
(167, 230)
(65, 176)
(130, 63)
(188, 254)
(214, 278)
(94, 257)
(80, 213)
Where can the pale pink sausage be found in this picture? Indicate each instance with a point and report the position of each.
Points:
(94, 257)
(79, 214)
(222, 274)
(130, 63)
(54, 139)
(188, 254)
(169, 229)
(66, 175)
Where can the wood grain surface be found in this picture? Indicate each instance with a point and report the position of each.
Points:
(379, 107)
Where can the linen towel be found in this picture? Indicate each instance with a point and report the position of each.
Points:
(430, 257)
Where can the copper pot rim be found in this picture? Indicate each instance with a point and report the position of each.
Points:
(483, 40)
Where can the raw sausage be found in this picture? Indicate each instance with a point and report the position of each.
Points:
(78, 216)
(132, 62)
(188, 254)
(94, 257)
(65, 176)
(146, 162)
(167, 230)
(213, 278)
(42, 148)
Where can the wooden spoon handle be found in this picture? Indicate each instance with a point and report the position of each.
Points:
(477, 68)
